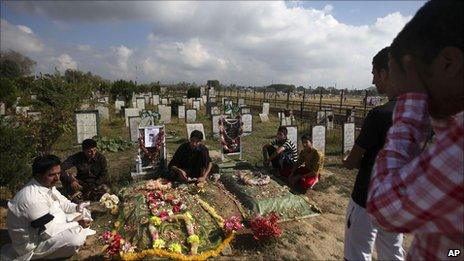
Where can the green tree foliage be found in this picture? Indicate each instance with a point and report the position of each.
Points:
(213, 83)
(123, 89)
(153, 87)
(193, 92)
(14, 64)
(8, 91)
(281, 87)
(18, 149)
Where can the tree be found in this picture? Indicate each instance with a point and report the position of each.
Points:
(213, 83)
(8, 91)
(193, 92)
(122, 88)
(24, 64)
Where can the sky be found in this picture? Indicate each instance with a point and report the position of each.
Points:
(305, 43)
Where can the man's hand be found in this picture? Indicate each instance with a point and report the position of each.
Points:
(405, 79)
(75, 186)
(201, 179)
(84, 223)
(80, 207)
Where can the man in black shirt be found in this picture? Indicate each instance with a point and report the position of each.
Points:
(92, 172)
(360, 232)
(191, 161)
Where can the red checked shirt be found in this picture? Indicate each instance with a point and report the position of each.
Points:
(421, 192)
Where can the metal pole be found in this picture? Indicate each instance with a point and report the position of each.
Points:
(288, 98)
(341, 100)
(320, 100)
(365, 103)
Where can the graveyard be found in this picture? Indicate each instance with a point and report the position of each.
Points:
(308, 226)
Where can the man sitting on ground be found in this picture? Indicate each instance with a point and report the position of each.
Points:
(191, 161)
(41, 222)
(90, 181)
(305, 177)
(281, 152)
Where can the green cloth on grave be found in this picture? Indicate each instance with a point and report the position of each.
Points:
(272, 197)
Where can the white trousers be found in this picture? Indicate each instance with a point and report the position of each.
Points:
(361, 234)
(62, 245)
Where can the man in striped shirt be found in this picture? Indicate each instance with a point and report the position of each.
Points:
(422, 192)
(281, 152)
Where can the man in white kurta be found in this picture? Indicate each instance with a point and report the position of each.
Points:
(41, 222)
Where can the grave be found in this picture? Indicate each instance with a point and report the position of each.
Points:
(130, 112)
(103, 112)
(164, 101)
(196, 105)
(264, 117)
(165, 114)
(215, 110)
(247, 120)
(348, 136)
(318, 136)
(87, 125)
(181, 112)
(241, 102)
(292, 134)
(118, 104)
(156, 99)
(245, 110)
(215, 123)
(22, 110)
(35, 115)
(191, 115)
(195, 126)
(134, 122)
(266, 107)
(330, 119)
(140, 103)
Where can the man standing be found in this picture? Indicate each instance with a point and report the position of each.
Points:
(422, 191)
(92, 172)
(281, 152)
(191, 161)
(360, 232)
(41, 222)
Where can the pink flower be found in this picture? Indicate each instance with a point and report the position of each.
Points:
(265, 228)
(176, 209)
(164, 215)
(233, 223)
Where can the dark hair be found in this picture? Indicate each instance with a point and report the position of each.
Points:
(42, 164)
(88, 144)
(380, 60)
(282, 129)
(436, 25)
(306, 136)
(196, 134)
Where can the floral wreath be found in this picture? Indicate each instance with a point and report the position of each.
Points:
(253, 178)
(230, 143)
(153, 153)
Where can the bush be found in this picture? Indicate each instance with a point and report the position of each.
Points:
(123, 89)
(193, 92)
(175, 107)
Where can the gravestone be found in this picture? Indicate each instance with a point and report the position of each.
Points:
(134, 122)
(196, 105)
(164, 101)
(191, 115)
(165, 114)
(320, 118)
(195, 126)
(264, 117)
(140, 103)
(33, 97)
(318, 137)
(156, 99)
(181, 112)
(204, 99)
(35, 115)
(215, 110)
(266, 108)
(215, 123)
(348, 136)
(185, 100)
(2, 108)
(292, 134)
(118, 104)
(147, 99)
(245, 110)
(22, 110)
(103, 112)
(86, 125)
(247, 120)
(241, 102)
(330, 119)
(130, 112)
(202, 90)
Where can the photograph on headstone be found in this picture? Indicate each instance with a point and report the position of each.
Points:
(191, 115)
(292, 134)
(264, 117)
(134, 122)
(230, 132)
(195, 126)
(318, 136)
(130, 112)
(247, 120)
(87, 125)
(348, 137)
(266, 108)
(151, 134)
(181, 112)
(140, 103)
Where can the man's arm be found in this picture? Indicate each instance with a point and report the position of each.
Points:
(353, 160)
(65, 165)
(276, 153)
(205, 172)
(418, 192)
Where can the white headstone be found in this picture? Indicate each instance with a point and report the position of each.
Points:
(215, 110)
(247, 120)
(130, 112)
(196, 105)
(215, 123)
(134, 122)
(319, 138)
(156, 99)
(191, 115)
(2, 108)
(264, 117)
(266, 108)
(118, 104)
(185, 100)
(147, 99)
(164, 101)
(321, 118)
(103, 112)
(241, 102)
(195, 126)
(165, 114)
(181, 112)
(203, 99)
(348, 136)
(140, 103)
(22, 110)
(33, 96)
(292, 134)
(245, 110)
(34, 114)
(86, 125)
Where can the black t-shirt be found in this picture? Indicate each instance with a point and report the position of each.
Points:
(192, 160)
(371, 138)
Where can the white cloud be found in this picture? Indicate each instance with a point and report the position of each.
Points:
(249, 43)
(84, 47)
(64, 62)
(19, 38)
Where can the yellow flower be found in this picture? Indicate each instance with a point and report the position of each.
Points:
(176, 248)
(189, 215)
(117, 224)
(155, 220)
(193, 239)
(159, 243)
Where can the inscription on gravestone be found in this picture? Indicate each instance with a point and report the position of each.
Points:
(319, 138)
(348, 136)
(86, 125)
(181, 112)
(191, 115)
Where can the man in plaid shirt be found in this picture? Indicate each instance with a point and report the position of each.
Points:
(422, 192)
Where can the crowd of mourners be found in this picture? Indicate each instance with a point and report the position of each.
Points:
(403, 184)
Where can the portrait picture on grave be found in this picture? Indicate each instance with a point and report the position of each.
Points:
(150, 136)
(230, 132)
(195, 126)
(134, 122)
(87, 125)
(152, 144)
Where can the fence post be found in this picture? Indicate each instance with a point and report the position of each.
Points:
(254, 96)
(365, 104)
(275, 99)
(341, 100)
(320, 100)
(288, 99)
